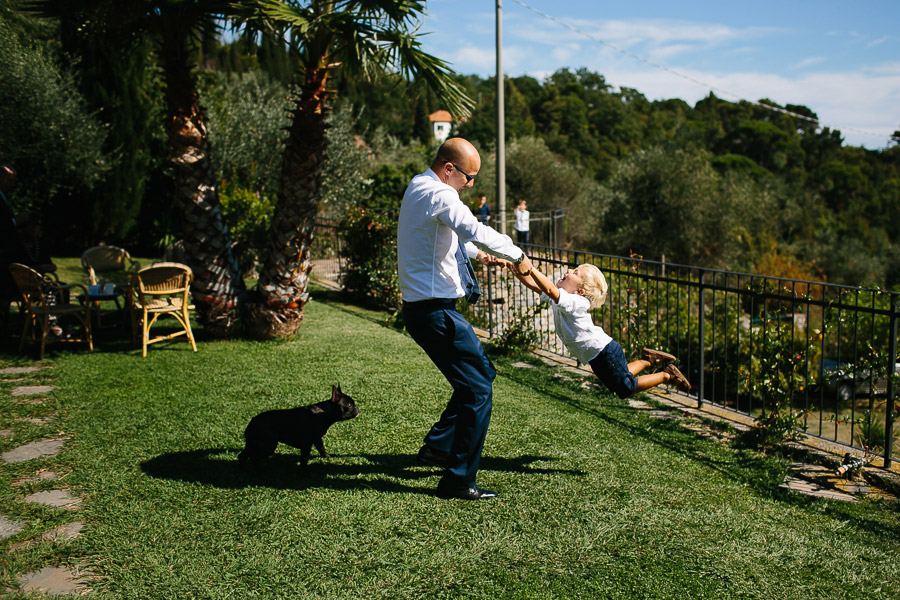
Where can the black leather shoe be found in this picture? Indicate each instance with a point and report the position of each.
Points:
(428, 456)
(469, 493)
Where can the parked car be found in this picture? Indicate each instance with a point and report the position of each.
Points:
(840, 381)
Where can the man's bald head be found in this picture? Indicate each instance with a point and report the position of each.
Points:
(459, 152)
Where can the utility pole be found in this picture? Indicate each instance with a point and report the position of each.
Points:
(501, 133)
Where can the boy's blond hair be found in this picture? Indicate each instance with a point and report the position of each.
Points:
(594, 285)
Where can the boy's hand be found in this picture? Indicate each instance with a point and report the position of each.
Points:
(524, 267)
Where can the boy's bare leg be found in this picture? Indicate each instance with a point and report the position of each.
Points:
(671, 374)
(645, 382)
(636, 366)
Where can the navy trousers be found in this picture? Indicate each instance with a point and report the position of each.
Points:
(453, 347)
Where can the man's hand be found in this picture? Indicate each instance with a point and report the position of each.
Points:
(487, 259)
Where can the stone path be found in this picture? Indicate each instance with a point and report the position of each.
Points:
(55, 580)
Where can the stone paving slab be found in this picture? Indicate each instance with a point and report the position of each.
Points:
(39, 476)
(9, 528)
(55, 581)
(65, 532)
(35, 420)
(33, 450)
(18, 370)
(57, 498)
(523, 365)
(31, 401)
(809, 488)
(821, 482)
(31, 390)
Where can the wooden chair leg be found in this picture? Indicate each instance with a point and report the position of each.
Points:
(145, 326)
(187, 328)
(45, 325)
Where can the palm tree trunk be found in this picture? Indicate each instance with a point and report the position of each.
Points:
(218, 281)
(276, 307)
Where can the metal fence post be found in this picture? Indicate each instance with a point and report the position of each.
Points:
(701, 334)
(889, 409)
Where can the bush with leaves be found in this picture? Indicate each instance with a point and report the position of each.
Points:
(370, 247)
(248, 114)
(519, 335)
(370, 238)
(248, 215)
(46, 132)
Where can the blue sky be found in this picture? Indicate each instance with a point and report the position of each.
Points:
(839, 58)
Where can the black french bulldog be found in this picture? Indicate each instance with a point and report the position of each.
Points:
(301, 427)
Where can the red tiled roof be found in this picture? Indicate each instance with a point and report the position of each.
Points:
(440, 115)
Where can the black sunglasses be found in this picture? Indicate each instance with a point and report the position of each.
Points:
(468, 177)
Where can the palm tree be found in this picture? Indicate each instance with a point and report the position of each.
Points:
(175, 26)
(363, 37)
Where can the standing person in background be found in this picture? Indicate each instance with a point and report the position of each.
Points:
(483, 212)
(522, 225)
(10, 249)
(436, 236)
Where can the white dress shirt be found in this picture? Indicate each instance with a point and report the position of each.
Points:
(576, 328)
(432, 219)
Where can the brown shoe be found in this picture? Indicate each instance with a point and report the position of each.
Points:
(654, 357)
(679, 378)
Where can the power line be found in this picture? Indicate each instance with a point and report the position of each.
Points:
(713, 88)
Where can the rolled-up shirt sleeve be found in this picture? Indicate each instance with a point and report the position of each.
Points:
(475, 235)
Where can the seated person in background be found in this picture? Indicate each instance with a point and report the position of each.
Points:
(581, 289)
(36, 256)
(35, 253)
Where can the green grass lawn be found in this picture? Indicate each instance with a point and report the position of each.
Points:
(597, 500)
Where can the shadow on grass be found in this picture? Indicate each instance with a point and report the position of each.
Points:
(366, 471)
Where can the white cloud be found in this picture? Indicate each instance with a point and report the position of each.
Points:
(808, 62)
(863, 107)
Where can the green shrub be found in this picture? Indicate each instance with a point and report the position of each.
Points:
(248, 215)
(519, 335)
(370, 248)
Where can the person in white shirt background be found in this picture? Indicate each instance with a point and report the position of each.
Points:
(522, 225)
(433, 222)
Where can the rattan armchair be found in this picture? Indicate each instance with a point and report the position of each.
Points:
(43, 298)
(108, 263)
(158, 290)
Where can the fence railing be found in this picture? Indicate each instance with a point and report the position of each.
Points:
(748, 343)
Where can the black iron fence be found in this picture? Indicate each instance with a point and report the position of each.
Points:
(749, 343)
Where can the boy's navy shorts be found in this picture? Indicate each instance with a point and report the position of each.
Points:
(612, 369)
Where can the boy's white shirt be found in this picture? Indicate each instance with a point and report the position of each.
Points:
(575, 327)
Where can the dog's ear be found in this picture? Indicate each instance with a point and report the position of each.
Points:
(334, 393)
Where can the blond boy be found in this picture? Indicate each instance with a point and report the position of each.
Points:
(571, 299)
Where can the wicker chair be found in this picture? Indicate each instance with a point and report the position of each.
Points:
(43, 298)
(158, 290)
(109, 263)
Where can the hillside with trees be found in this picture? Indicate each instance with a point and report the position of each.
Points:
(732, 185)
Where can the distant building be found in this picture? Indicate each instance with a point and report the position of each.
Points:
(441, 123)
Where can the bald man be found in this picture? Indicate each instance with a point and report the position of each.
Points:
(433, 221)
